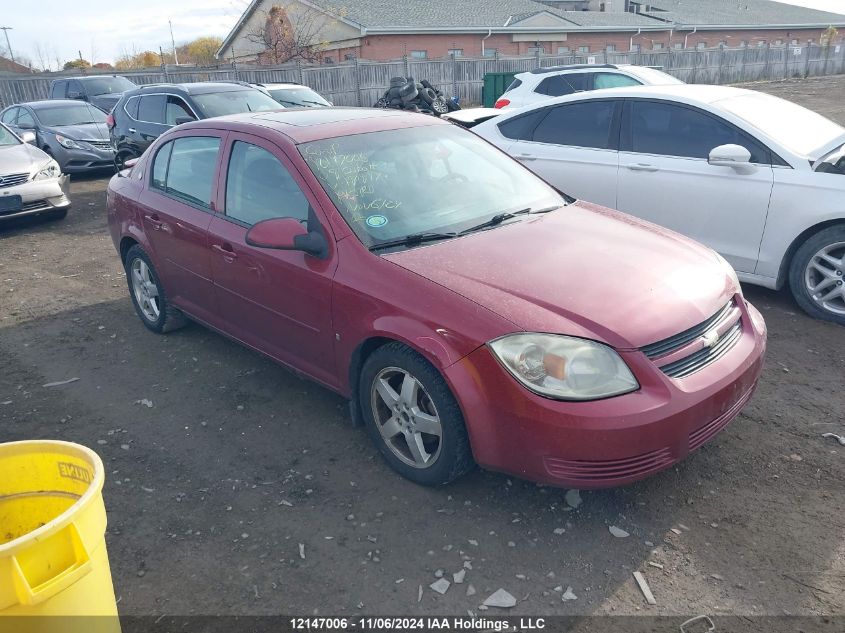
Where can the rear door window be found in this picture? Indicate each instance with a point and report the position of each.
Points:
(186, 170)
(516, 83)
(566, 84)
(58, 90)
(75, 87)
(581, 124)
(613, 80)
(131, 107)
(151, 109)
(175, 109)
(521, 128)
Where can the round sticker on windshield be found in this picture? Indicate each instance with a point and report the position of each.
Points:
(376, 221)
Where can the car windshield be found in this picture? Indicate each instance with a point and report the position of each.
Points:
(233, 102)
(302, 97)
(108, 85)
(389, 185)
(793, 126)
(7, 138)
(833, 163)
(71, 114)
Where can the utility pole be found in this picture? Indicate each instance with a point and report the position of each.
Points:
(173, 42)
(6, 30)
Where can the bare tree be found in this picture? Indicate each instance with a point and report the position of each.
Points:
(292, 32)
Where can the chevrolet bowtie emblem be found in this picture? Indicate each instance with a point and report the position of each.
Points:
(710, 338)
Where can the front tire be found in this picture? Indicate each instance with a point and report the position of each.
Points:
(148, 295)
(817, 275)
(412, 417)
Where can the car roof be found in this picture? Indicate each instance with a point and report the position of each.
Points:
(303, 125)
(87, 77)
(283, 85)
(196, 88)
(51, 103)
(555, 69)
(699, 93)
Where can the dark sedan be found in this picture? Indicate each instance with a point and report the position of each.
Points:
(72, 132)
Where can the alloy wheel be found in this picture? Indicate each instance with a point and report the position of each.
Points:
(406, 417)
(146, 290)
(823, 278)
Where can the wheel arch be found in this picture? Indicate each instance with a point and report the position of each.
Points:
(786, 262)
(126, 243)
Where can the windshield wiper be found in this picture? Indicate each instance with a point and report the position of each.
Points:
(507, 215)
(413, 239)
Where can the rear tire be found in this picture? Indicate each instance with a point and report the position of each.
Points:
(817, 275)
(148, 294)
(405, 402)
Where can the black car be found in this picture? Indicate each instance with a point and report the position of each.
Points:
(143, 114)
(102, 91)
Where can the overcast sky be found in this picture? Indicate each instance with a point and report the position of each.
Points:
(61, 28)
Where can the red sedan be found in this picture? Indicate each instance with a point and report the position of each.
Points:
(469, 311)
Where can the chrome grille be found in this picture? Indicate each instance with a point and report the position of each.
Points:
(99, 144)
(704, 357)
(10, 180)
(669, 345)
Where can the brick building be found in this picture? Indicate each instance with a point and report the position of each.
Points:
(390, 29)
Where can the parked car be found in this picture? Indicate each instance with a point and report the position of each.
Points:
(31, 182)
(73, 133)
(293, 95)
(143, 114)
(102, 91)
(541, 84)
(753, 176)
(469, 311)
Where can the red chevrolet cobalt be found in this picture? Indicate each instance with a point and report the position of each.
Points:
(469, 311)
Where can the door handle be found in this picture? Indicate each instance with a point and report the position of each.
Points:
(525, 157)
(155, 221)
(228, 253)
(132, 130)
(642, 167)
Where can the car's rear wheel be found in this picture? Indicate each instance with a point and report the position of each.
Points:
(412, 416)
(148, 295)
(817, 275)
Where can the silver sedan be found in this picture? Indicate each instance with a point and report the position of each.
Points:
(31, 182)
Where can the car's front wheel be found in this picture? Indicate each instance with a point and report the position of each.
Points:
(817, 275)
(148, 295)
(412, 416)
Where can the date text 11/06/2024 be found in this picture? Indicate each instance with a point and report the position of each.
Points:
(432, 623)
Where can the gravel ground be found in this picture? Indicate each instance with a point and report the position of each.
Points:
(245, 490)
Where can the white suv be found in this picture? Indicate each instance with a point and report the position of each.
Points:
(543, 83)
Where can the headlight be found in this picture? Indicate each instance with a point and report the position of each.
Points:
(563, 367)
(50, 170)
(64, 141)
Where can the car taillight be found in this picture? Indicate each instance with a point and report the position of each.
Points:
(501, 103)
(110, 120)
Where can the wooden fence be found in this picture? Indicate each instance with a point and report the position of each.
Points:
(361, 82)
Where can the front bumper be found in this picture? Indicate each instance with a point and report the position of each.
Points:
(608, 442)
(83, 160)
(39, 196)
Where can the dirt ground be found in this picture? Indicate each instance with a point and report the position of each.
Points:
(212, 491)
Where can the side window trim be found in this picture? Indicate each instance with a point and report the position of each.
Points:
(222, 136)
(627, 143)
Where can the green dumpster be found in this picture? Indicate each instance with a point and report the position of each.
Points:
(495, 85)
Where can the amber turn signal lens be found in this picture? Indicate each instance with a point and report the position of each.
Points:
(555, 366)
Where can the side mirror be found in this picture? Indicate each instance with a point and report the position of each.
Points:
(28, 137)
(287, 234)
(729, 156)
(26, 126)
(184, 119)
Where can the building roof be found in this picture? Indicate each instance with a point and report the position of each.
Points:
(514, 16)
(737, 13)
(8, 66)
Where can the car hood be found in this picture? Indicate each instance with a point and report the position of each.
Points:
(17, 159)
(87, 131)
(582, 270)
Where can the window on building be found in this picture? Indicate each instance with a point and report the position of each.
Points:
(419, 54)
(778, 42)
(583, 49)
(349, 57)
(761, 43)
(563, 50)
(701, 46)
(635, 48)
(794, 42)
(657, 46)
(610, 48)
(743, 44)
(677, 45)
(328, 60)
(723, 44)
(537, 49)
(490, 52)
(456, 52)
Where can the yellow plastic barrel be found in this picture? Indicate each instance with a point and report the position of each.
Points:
(54, 569)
